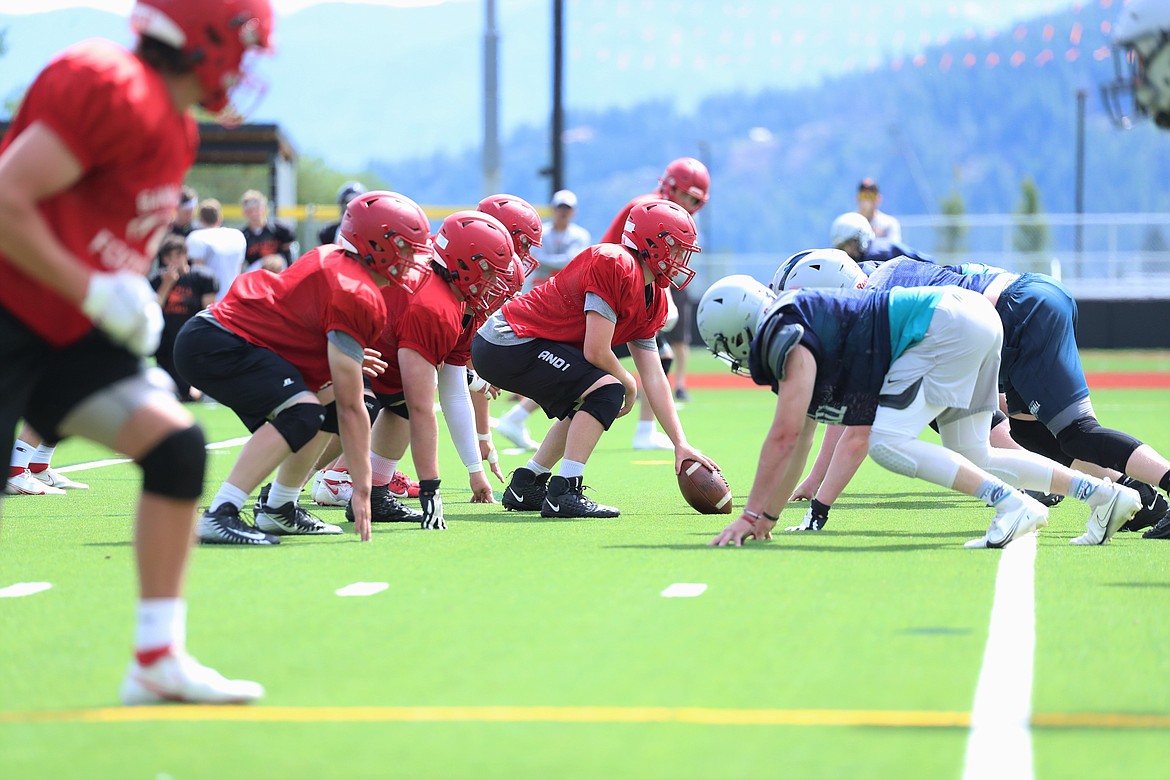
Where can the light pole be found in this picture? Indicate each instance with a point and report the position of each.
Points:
(705, 214)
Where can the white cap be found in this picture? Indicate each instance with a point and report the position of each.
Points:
(564, 198)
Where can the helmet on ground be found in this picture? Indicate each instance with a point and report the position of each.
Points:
(215, 37)
(663, 235)
(824, 268)
(1141, 62)
(686, 176)
(728, 317)
(521, 220)
(851, 225)
(474, 249)
(390, 234)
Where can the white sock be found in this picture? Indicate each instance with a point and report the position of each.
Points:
(229, 494)
(645, 427)
(572, 468)
(21, 455)
(43, 455)
(279, 495)
(517, 415)
(383, 469)
(536, 468)
(161, 623)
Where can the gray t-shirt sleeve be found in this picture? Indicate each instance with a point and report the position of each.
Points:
(594, 302)
(347, 344)
(648, 344)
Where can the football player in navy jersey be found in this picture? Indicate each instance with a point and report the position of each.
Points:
(893, 361)
(852, 234)
(90, 175)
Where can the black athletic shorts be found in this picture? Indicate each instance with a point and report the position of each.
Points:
(395, 403)
(251, 381)
(549, 372)
(681, 332)
(42, 383)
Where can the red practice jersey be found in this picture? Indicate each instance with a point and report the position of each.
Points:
(114, 114)
(555, 310)
(290, 313)
(429, 322)
(613, 235)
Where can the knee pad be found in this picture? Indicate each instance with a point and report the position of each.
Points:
(889, 456)
(330, 424)
(1034, 436)
(604, 403)
(299, 423)
(175, 467)
(914, 458)
(1085, 439)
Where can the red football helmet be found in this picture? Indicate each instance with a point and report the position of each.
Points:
(686, 182)
(521, 220)
(502, 289)
(215, 37)
(663, 234)
(390, 234)
(475, 248)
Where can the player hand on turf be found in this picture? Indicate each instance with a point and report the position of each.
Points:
(361, 513)
(481, 489)
(805, 491)
(373, 364)
(124, 306)
(685, 452)
(740, 530)
(432, 505)
(487, 451)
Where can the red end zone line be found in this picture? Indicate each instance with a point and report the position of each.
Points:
(1137, 381)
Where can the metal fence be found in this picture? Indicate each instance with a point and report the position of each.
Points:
(1097, 256)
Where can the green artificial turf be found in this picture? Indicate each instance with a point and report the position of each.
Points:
(884, 611)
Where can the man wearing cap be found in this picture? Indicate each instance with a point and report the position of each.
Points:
(563, 239)
(868, 200)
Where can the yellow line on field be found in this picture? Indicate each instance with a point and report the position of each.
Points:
(503, 714)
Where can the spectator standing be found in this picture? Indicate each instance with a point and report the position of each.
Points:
(563, 239)
(331, 232)
(869, 198)
(183, 291)
(217, 248)
(264, 236)
(185, 213)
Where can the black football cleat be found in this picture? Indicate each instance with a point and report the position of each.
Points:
(1047, 499)
(1154, 505)
(385, 508)
(525, 491)
(566, 499)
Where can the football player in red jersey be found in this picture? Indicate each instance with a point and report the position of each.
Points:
(90, 175)
(687, 183)
(473, 257)
(555, 346)
(278, 345)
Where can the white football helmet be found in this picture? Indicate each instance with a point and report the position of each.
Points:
(851, 225)
(1141, 61)
(825, 268)
(728, 317)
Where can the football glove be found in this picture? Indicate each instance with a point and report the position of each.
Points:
(124, 306)
(432, 505)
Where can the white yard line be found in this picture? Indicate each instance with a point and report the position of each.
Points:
(999, 746)
(363, 589)
(23, 589)
(97, 464)
(684, 590)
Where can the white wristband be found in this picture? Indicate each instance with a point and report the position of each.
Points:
(484, 436)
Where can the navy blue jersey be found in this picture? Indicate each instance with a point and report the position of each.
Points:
(907, 272)
(882, 251)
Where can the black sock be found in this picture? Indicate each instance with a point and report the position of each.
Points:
(819, 509)
(1164, 482)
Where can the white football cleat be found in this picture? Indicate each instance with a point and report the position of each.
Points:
(25, 484)
(54, 478)
(654, 440)
(1123, 503)
(177, 677)
(334, 488)
(517, 434)
(1006, 526)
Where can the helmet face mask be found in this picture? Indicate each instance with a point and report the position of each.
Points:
(1141, 64)
(388, 232)
(728, 318)
(663, 236)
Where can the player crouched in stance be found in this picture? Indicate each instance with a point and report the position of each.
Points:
(90, 174)
(473, 255)
(271, 347)
(555, 346)
(895, 361)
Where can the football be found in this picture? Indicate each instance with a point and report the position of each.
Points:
(705, 490)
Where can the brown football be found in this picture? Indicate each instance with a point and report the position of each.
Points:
(705, 490)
